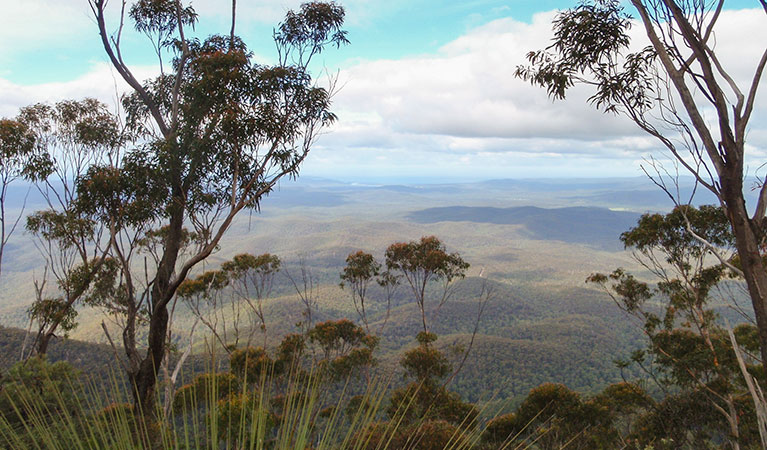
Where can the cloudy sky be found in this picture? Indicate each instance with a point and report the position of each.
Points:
(427, 86)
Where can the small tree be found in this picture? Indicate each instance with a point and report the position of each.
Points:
(17, 147)
(423, 264)
(361, 268)
(344, 347)
(251, 279)
(229, 301)
(70, 137)
(553, 416)
(205, 298)
(360, 271)
(35, 393)
(424, 406)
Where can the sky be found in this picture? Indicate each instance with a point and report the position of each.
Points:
(426, 88)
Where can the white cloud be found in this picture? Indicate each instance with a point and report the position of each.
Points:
(272, 12)
(41, 21)
(465, 99)
(468, 90)
(269, 11)
(57, 24)
(458, 109)
(101, 82)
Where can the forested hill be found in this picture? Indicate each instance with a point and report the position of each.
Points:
(598, 227)
(88, 357)
(96, 362)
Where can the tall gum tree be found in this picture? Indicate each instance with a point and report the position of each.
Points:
(217, 132)
(677, 90)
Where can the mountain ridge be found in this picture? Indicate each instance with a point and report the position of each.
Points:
(589, 225)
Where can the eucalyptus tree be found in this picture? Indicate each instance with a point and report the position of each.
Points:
(251, 278)
(69, 138)
(360, 270)
(17, 148)
(689, 349)
(217, 132)
(679, 91)
(426, 264)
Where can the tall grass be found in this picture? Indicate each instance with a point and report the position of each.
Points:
(216, 411)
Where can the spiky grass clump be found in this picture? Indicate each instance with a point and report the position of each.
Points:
(59, 411)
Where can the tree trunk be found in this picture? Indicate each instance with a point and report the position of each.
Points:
(42, 345)
(747, 244)
(144, 379)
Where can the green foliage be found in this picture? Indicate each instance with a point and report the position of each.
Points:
(665, 93)
(160, 17)
(316, 24)
(262, 265)
(18, 159)
(425, 364)
(17, 152)
(670, 232)
(204, 284)
(553, 416)
(54, 387)
(432, 416)
(212, 135)
(591, 43)
(70, 138)
(623, 399)
(688, 420)
(417, 402)
(689, 355)
(47, 310)
(747, 336)
(425, 260)
(429, 435)
(231, 108)
(345, 347)
(215, 411)
(249, 363)
(242, 410)
(423, 263)
(64, 229)
(130, 196)
(291, 348)
(335, 336)
(205, 389)
(360, 268)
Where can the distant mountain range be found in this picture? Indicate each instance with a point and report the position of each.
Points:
(598, 227)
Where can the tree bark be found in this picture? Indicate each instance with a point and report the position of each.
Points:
(144, 378)
(747, 244)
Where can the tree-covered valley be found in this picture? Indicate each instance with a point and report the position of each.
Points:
(542, 322)
(541, 308)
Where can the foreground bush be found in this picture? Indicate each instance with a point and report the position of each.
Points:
(49, 406)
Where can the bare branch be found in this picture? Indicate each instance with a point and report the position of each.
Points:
(114, 348)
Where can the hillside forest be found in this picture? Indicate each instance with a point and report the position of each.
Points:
(170, 280)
